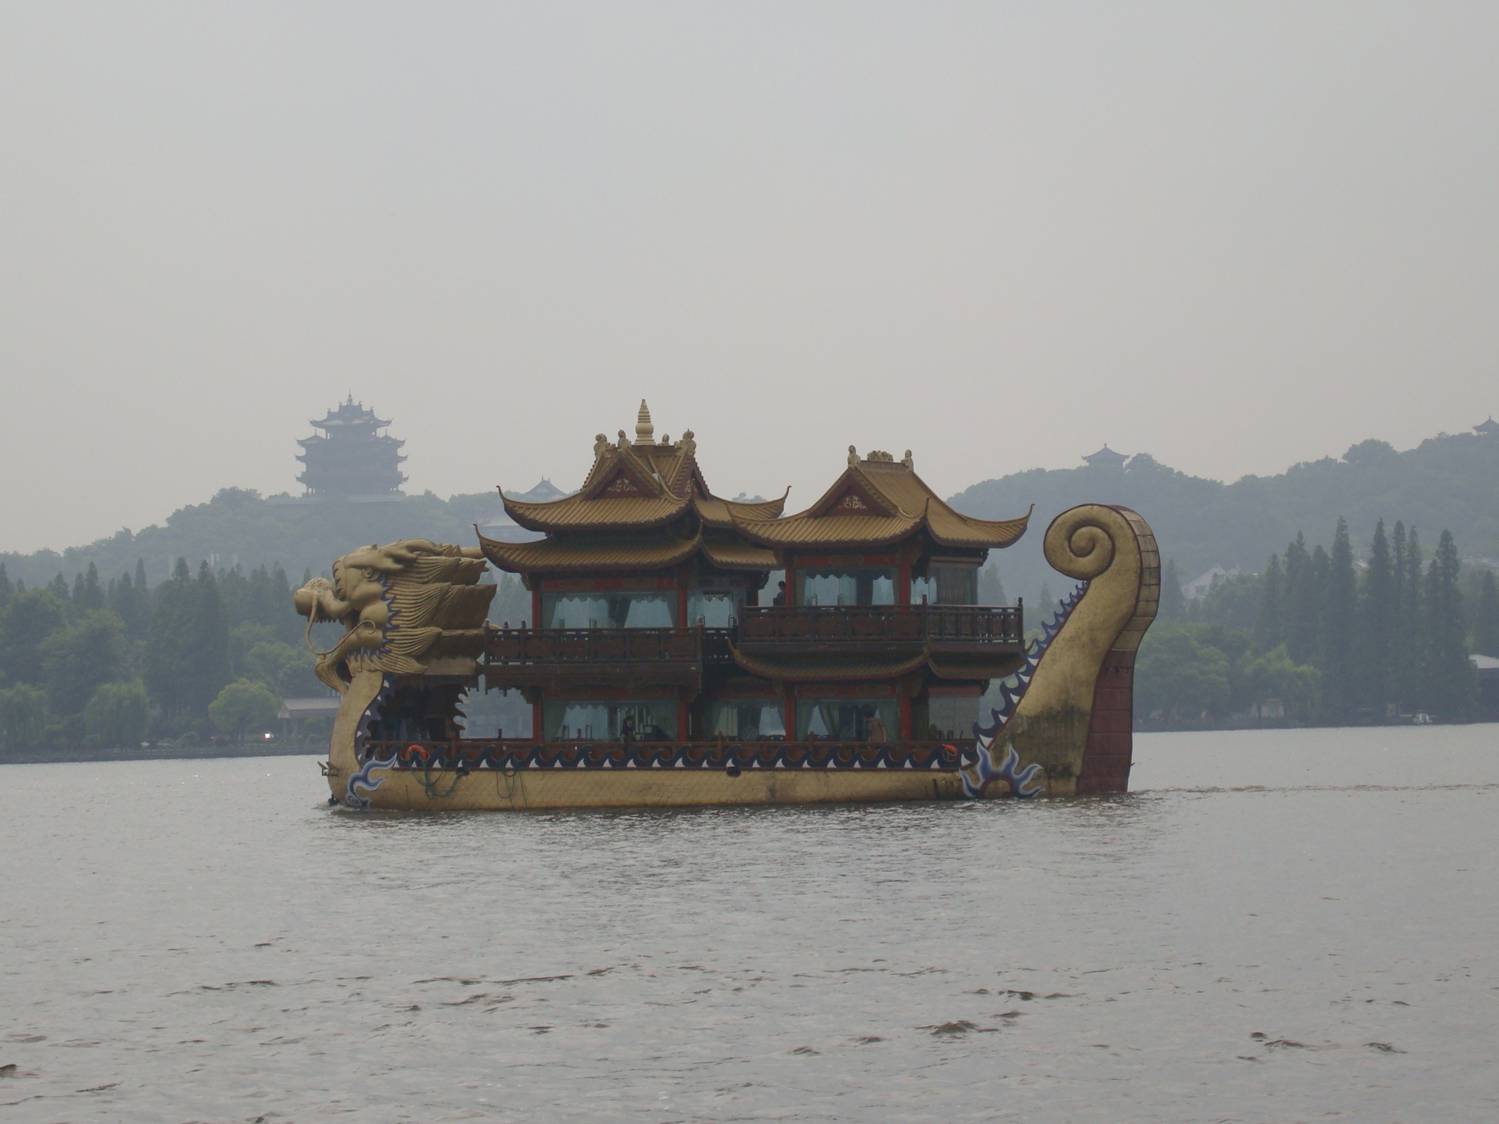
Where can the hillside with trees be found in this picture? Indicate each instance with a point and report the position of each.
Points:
(1445, 482)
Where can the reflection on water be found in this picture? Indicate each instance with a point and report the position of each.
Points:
(1276, 926)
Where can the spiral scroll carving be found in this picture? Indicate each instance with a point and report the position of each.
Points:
(1080, 544)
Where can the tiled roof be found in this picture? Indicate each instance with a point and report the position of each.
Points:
(590, 555)
(721, 513)
(876, 503)
(579, 511)
(739, 556)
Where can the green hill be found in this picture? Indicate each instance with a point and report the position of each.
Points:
(1447, 482)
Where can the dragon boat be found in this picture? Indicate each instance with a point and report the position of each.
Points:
(683, 649)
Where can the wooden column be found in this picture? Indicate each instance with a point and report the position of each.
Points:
(788, 699)
(682, 582)
(536, 605)
(790, 583)
(537, 734)
(905, 715)
(903, 582)
(683, 705)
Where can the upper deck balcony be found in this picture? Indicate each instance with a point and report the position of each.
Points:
(554, 657)
(949, 627)
(540, 656)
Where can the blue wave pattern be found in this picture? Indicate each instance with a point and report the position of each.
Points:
(366, 780)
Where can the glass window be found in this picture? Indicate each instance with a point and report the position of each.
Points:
(608, 720)
(713, 608)
(609, 610)
(872, 586)
(750, 719)
(846, 720)
(951, 717)
(946, 585)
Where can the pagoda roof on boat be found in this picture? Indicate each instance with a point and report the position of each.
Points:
(739, 555)
(880, 501)
(592, 555)
(638, 484)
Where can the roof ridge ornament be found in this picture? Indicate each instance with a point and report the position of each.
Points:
(644, 430)
(600, 444)
(853, 456)
(907, 461)
(688, 443)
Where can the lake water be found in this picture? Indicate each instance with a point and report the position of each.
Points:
(1275, 926)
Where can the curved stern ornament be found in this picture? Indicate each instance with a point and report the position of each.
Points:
(1066, 725)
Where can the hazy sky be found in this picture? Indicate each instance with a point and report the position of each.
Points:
(1234, 236)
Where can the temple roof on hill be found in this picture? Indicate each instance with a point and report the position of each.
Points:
(879, 501)
(349, 413)
(1106, 455)
(1489, 426)
(639, 484)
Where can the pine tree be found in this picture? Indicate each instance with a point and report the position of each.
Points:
(1376, 614)
(91, 595)
(1337, 637)
(1409, 630)
(1449, 683)
(140, 576)
(210, 641)
(1303, 601)
(6, 592)
(1268, 631)
(1486, 634)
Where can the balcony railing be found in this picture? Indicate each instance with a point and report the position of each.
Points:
(945, 624)
(598, 645)
(531, 656)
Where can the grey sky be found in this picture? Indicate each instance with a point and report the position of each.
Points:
(1234, 236)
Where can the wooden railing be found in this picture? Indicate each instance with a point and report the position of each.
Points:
(885, 624)
(957, 624)
(601, 645)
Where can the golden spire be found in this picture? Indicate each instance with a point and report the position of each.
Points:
(644, 430)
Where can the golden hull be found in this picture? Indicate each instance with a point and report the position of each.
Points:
(550, 790)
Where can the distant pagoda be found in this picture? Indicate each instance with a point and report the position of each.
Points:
(1106, 458)
(350, 457)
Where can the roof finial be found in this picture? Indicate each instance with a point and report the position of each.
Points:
(644, 430)
(907, 460)
(853, 456)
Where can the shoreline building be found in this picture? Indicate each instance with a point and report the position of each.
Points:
(351, 458)
(661, 612)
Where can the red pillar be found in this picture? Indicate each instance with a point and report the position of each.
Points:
(536, 605)
(790, 704)
(905, 716)
(537, 734)
(903, 583)
(790, 583)
(683, 732)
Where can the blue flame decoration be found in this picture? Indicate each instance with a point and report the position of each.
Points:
(1022, 782)
(366, 780)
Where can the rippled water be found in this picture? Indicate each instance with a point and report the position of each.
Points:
(1276, 926)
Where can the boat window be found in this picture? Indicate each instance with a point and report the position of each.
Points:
(713, 608)
(870, 586)
(950, 717)
(946, 585)
(609, 610)
(652, 720)
(750, 719)
(846, 720)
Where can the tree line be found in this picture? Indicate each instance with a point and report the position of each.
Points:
(106, 664)
(1319, 636)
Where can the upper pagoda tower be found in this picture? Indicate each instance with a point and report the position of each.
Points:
(350, 456)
